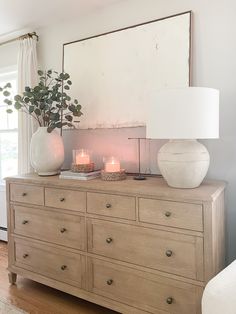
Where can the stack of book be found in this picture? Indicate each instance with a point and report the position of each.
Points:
(79, 175)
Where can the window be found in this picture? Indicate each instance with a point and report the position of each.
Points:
(8, 128)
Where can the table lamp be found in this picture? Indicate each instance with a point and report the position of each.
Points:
(184, 115)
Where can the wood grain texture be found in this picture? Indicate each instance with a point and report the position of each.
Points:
(63, 229)
(29, 194)
(174, 214)
(53, 263)
(111, 205)
(36, 298)
(150, 294)
(150, 248)
(65, 199)
(214, 237)
(150, 255)
(153, 187)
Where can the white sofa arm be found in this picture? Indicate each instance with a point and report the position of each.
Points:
(219, 296)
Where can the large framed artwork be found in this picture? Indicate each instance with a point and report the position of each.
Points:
(116, 74)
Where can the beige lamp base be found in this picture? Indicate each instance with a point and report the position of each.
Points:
(183, 163)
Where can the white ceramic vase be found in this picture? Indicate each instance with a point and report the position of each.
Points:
(46, 152)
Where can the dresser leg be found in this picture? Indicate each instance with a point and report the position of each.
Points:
(12, 278)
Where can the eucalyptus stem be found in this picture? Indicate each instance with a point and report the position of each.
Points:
(48, 102)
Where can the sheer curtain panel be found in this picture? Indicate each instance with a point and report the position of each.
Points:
(27, 76)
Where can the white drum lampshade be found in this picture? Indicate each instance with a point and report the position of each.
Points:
(183, 115)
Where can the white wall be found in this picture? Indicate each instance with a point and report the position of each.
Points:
(8, 55)
(214, 65)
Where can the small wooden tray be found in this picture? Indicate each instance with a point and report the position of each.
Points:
(113, 176)
(82, 168)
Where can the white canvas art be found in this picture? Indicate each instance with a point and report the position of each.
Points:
(115, 75)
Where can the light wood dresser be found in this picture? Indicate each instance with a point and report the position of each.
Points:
(132, 246)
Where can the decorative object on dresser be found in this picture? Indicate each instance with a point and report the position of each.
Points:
(156, 52)
(81, 161)
(134, 247)
(50, 108)
(79, 175)
(46, 152)
(183, 115)
(112, 170)
(139, 176)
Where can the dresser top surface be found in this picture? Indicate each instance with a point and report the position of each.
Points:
(152, 187)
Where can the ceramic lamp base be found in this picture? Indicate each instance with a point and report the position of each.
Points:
(113, 176)
(183, 163)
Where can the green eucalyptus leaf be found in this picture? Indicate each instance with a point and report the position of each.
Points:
(6, 93)
(17, 105)
(37, 111)
(8, 85)
(17, 98)
(8, 102)
(31, 109)
(69, 118)
(71, 107)
(51, 128)
(46, 100)
(59, 125)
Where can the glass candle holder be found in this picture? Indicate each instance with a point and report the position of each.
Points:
(81, 157)
(112, 164)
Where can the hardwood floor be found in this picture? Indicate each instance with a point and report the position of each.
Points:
(36, 298)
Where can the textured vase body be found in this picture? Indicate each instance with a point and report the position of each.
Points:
(46, 152)
(183, 163)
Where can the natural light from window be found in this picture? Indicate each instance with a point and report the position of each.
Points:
(8, 129)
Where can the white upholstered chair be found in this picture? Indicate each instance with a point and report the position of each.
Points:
(219, 296)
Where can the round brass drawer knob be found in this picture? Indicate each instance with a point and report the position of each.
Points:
(109, 240)
(25, 255)
(169, 253)
(108, 205)
(109, 282)
(24, 194)
(62, 199)
(169, 300)
(63, 230)
(63, 267)
(24, 222)
(167, 214)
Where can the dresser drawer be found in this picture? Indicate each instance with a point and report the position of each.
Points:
(166, 251)
(63, 229)
(111, 205)
(29, 194)
(173, 214)
(50, 262)
(65, 199)
(152, 293)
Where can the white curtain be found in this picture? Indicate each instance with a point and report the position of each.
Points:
(27, 76)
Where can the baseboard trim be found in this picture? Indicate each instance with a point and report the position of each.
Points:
(3, 235)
